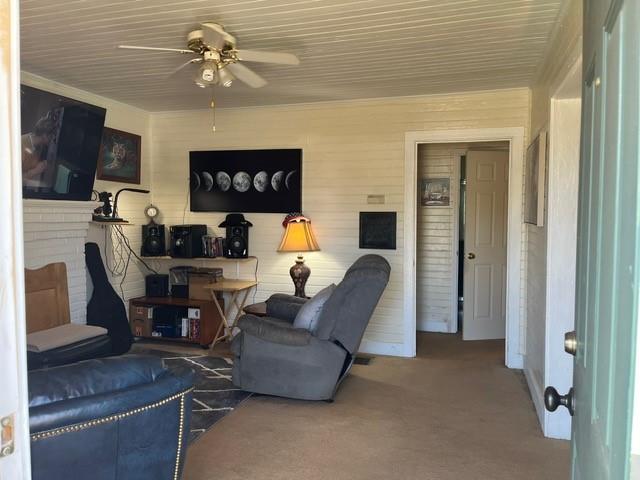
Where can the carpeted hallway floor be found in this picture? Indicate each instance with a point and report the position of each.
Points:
(454, 412)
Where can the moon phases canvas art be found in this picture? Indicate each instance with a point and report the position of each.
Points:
(223, 181)
(207, 180)
(261, 181)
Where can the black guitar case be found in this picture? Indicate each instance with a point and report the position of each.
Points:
(106, 309)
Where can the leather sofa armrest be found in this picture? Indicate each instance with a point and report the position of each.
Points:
(271, 330)
(92, 377)
(108, 406)
(286, 307)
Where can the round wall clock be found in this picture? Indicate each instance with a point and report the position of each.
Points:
(151, 211)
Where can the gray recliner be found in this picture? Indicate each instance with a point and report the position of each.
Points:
(272, 357)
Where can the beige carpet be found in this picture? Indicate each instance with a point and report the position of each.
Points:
(455, 412)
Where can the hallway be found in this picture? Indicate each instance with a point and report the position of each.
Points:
(454, 412)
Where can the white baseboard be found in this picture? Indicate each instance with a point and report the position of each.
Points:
(515, 361)
(536, 392)
(427, 326)
(382, 348)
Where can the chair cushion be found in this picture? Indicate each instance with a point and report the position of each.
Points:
(346, 314)
(51, 338)
(309, 313)
(95, 347)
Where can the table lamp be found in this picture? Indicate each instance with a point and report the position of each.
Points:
(298, 237)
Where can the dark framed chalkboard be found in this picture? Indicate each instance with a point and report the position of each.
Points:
(378, 230)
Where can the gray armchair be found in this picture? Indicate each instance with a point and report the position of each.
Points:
(273, 357)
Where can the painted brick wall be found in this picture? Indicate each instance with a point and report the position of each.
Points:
(56, 231)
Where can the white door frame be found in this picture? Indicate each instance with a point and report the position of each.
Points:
(455, 202)
(13, 356)
(515, 137)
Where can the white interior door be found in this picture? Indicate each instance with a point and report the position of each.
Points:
(485, 255)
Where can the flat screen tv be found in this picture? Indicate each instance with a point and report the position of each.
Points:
(60, 144)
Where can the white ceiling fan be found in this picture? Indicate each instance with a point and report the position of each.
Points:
(219, 58)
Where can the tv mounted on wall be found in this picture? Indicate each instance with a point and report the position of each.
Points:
(60, 144)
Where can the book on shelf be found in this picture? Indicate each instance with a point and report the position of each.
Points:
(185, 327)
(194, 328)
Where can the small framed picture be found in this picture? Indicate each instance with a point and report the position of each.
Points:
(435, 192)
(119, 157)
(535, 170)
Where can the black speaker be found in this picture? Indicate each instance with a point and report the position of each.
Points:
(156, 285)
(186, 240)
(153, 240)
(236, 243)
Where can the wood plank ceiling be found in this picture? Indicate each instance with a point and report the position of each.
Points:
(348, 49)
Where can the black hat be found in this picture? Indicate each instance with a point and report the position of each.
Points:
(234, 220)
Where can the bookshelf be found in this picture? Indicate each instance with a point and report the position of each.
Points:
(142, 324)
(219, 260)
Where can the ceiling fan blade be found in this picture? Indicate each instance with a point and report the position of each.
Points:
(193, 60)
(155, 49)
(247, 75)
(214, 36)
(267, 57)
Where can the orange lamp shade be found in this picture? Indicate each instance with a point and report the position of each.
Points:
(298, 237)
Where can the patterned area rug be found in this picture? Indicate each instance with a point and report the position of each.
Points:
(214, 396)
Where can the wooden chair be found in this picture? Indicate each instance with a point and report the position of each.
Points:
(52, 338)
(47, 295)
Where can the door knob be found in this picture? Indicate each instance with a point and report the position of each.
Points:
(553, 400)
(571, 343)
(471, 255)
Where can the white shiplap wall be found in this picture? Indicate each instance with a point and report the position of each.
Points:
(351, 149)
(436, 255)
(563, 49)
(131, 205)
(536, 283)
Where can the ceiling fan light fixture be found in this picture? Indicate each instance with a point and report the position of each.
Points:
(219, 61)
(206, 75)
(208, 72)
(225, 78)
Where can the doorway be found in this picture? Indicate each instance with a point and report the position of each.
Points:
(462, 288)
(514, 136)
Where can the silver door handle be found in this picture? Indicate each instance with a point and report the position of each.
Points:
(571, 343)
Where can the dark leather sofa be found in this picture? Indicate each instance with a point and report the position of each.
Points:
(113, 418)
